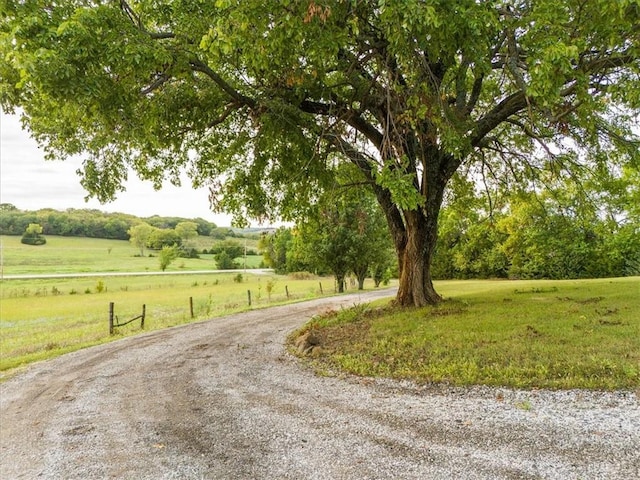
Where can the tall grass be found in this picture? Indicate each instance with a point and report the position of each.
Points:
(43, 318)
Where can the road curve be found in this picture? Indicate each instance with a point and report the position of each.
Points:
(222, 399)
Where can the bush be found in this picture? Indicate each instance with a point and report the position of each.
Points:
(224, 261)
(188, 253)
(28, 240)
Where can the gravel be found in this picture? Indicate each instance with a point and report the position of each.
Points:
(222, 399)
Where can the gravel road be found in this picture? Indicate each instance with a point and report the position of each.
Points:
(223, 400)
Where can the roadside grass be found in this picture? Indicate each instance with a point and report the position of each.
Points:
(524, 334)
(87, 255)
(44, 318)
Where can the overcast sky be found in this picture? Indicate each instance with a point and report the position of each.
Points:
(30, 183)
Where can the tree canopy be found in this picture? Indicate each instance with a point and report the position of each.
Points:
(261, 99)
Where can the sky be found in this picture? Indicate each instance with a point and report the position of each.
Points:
(30, 182)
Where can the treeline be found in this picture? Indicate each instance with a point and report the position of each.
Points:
(93, 223)
(550, 234)
(534, 237)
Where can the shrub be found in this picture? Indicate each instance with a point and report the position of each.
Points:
(224, 261)
(33, 235)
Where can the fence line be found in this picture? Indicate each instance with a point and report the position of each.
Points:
(113, 324)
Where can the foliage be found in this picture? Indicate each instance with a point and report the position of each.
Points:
(187, 231)
(89, 223)
(33, 235)
(167, 255)
(71, 222)
(261, 99)
(224, 261)
(139, 235)
(275, 248)
(203, 227)
(543, 235)
(232, 248)
(160, 238)
(225, 254)
(347, 233)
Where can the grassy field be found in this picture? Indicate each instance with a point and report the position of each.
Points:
(531, 334)
(43, 318)
(85, 255)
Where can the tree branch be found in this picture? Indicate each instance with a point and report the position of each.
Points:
(199, 66)
(507, 107)
(349, 116)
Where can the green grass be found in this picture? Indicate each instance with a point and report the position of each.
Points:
(524, 334)
(44, 318)
(88, 255)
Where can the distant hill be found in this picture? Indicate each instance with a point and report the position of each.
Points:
(90, 223)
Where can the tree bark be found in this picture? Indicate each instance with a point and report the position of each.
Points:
(414, 257)
(415, 237)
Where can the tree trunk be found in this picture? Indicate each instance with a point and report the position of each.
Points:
(361, 274)
(416, 241)
(414, 256)
(415, 232)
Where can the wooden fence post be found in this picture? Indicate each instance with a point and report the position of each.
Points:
(249, 296)
(111, 318)
(191, 306)
(321, 292)
(286, 289)
(144, 312)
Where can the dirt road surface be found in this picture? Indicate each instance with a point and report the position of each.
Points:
(223, 400)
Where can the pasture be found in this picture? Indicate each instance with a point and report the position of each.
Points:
(42, 318)
(532, 334)
(85, 255)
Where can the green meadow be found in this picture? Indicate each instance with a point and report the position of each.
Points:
(43, 318)
(87, 255)
(523, 334)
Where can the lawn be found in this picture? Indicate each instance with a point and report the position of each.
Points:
(526, 334)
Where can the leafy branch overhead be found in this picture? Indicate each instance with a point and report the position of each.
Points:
(261, 99)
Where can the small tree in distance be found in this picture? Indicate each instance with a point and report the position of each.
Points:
(33, 235)
(167, 255)
(187, 231)
(139, 236)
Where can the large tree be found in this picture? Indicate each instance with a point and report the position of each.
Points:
(260, 99)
